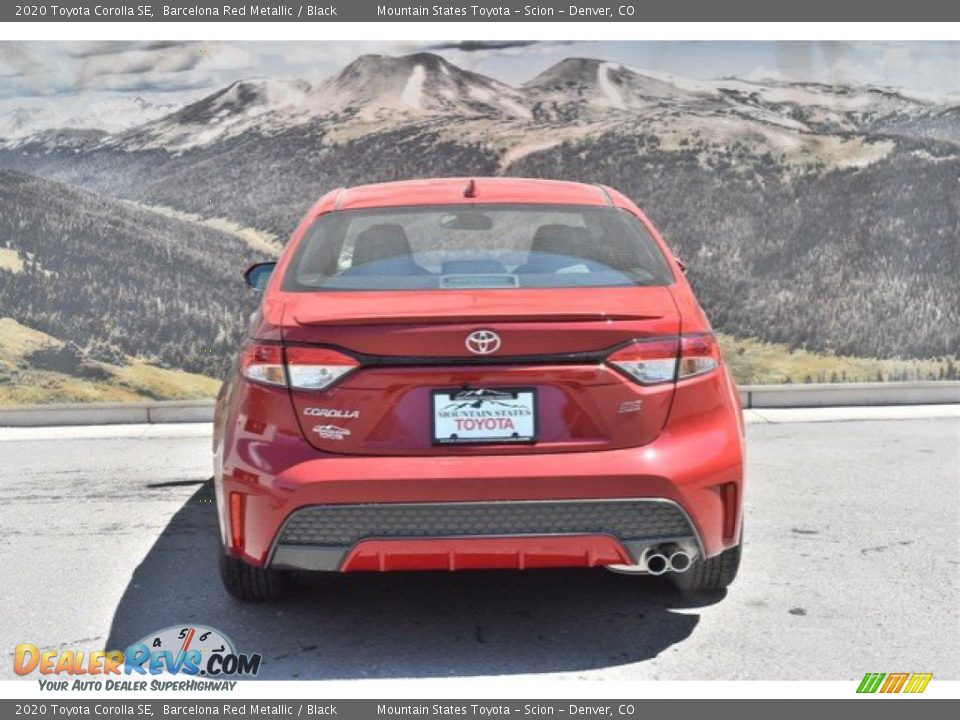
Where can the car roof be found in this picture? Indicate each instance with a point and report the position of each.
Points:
(444, 191)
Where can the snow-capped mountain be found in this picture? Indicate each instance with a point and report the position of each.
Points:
(584, 87)
(373, 88)
(380, 87)
(108, 112)
(571, 96)
(242, 99)
(816, 106)
(240, 106)
(587, 88)
(801, 124)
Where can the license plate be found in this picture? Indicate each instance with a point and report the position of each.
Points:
(484, 415)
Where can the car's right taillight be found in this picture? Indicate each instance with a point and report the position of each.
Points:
(699, 354)
(648, 362)
(300, 368)
(662, 360)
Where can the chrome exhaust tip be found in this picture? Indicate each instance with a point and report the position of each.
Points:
(659, 558)
(680, 561)
(657, 564)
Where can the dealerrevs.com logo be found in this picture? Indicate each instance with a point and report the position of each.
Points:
(188, 652)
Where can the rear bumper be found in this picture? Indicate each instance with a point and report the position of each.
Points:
(515, 534)
(695, 466)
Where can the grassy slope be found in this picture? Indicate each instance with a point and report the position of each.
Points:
(136, 381)
(754, 362)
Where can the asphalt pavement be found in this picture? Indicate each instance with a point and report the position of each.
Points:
(850, 565)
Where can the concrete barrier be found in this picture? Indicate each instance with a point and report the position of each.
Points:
(753, 396)
(174, 411)
(180, 412)
(73, 414)
(850, 394)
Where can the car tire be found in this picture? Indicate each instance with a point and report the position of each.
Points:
(709, 575)
(248, 582)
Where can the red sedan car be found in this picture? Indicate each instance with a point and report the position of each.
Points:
(477, 373)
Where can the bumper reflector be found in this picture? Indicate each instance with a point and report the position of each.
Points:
(236, 521)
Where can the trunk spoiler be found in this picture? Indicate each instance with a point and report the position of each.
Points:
(387, 318)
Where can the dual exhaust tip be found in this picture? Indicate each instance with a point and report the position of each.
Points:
(660, 560)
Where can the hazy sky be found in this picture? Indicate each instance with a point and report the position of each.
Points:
(50, 68)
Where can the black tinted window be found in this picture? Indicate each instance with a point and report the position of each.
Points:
(471, 246)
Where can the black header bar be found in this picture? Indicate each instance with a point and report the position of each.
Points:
(740, 11)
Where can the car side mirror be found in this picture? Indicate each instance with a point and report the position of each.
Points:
(680, 264)
(258, 275)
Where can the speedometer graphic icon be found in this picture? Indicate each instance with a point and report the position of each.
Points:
(178, 649)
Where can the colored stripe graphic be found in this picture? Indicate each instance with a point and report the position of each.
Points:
(895, 682)
(870, 682)
(918, 683)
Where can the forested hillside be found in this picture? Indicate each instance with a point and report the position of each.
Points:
(118, 280)
(859, 261)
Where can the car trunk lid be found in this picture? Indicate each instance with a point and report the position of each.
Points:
(549, 355)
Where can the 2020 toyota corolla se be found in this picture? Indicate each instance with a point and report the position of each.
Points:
(477, 373)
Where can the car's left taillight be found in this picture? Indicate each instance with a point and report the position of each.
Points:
(300, 368)
(263, 364)
(317, 368)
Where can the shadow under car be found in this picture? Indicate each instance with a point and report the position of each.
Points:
(431, 624)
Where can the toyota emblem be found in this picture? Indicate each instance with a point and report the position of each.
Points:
(483, 342)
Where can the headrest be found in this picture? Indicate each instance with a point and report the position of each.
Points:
(561, 240)
(381, 242)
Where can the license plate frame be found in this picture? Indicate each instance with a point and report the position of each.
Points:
(521, 398)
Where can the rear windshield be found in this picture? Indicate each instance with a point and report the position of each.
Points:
(476, 247)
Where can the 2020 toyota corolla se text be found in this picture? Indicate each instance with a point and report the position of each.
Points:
(477, 373)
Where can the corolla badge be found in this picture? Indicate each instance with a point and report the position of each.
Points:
(332, 413)
(483, 342)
